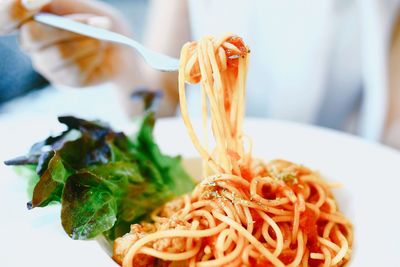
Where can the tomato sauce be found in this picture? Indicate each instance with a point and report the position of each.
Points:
(257, 220)
(308, 224)
(287, 257)
(246, 172)
(267, 192)
(233, 61)
(260, 262)
(238, 42)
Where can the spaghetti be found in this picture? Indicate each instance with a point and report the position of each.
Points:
(245, 213)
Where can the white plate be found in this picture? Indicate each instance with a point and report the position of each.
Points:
(368, 172)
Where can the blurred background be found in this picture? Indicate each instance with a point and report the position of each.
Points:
(331, 64)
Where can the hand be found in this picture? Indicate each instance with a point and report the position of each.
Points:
(391, 135)
(63, 57)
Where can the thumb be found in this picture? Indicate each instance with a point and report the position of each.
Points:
(92, 20)
(14, 12)
(34, 5)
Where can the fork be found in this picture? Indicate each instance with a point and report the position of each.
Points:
(155, 60)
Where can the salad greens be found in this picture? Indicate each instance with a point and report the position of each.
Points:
(103, 179)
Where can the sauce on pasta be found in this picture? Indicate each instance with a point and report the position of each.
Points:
(244, 212)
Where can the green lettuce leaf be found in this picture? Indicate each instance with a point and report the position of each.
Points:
(103, 179)
(88, 206)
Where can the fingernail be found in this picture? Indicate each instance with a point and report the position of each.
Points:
(34, 4)
(100, 22)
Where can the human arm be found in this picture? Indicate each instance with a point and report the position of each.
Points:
(392, 128)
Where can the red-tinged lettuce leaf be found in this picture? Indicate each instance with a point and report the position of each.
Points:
(50, 185)
(95, 129)
(45, 191)
(88, 206)
(84, 152)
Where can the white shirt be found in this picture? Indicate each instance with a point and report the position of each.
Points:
(311, 61)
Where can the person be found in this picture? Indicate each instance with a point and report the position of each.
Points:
(321, 62)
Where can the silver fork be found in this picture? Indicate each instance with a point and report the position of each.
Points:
(155, 60)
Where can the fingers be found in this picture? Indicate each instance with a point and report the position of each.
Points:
(62, 56)
(57, 56)
(69, 62)
(34, 5)
(103, 22)
(35, 36)
(65, 7)
(98, 8)
(73, 74)
(14, 12)
(91, 69)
